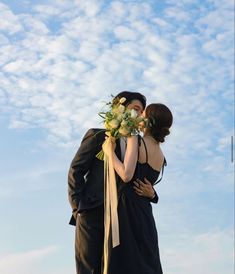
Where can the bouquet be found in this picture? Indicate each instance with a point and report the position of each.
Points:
(120, 121)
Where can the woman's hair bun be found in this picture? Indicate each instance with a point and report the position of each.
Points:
(159, 134)
(159, 121)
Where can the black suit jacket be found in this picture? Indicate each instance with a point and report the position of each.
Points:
(86, 174)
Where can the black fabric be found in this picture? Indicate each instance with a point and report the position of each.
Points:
(146, 161)
(86, 174)
(89, 241)
(138, 252)
(162, 171)
(86, 196)
(155, 199)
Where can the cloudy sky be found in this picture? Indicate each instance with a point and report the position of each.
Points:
(60, 60)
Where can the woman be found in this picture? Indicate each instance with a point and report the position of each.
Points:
(138, 251)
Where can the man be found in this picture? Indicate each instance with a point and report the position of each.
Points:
(86, 192)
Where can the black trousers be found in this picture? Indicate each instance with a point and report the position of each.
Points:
(89, 240)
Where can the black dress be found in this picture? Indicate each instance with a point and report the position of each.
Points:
(138, 252)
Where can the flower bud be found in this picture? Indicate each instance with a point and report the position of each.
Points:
(121, 109)
(123, 123)
(134, 114)
(114, 123)
(122, 100)
(124, 131)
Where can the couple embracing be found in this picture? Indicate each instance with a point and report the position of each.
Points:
(138, 163)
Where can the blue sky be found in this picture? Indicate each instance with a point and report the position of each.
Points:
(59, 61)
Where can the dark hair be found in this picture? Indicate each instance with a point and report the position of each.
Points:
(130, 96)
(160, 120)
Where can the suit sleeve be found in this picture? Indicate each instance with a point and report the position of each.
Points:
(155, 199)
(80, 165)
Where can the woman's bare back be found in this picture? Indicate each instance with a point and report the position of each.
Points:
(154, 156)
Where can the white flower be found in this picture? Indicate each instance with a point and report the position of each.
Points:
(122, 100)
(114, 123)
(120, 117)
(124, 131)
(115, 110)
(121, 109)
(134, 114)
(123, 123)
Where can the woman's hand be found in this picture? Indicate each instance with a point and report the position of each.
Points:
(106, 147)
(144, 189)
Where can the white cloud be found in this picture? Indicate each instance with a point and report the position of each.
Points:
(124, 33)
(177, 13)
(118, 9)
(89, 7)
(9, 21)
(54, 84)
(3, 40)
(33, 25)
(46, 11)
(24, 262)
(162, 23)
(207, 253)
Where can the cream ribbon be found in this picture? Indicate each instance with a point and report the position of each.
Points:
(111, 223)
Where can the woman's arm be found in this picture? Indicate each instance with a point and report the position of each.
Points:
(126, 170)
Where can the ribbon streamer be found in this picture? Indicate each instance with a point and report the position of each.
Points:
(111, 223)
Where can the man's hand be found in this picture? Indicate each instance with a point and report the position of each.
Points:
(144, 189)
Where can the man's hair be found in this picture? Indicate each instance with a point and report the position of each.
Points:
(130, 96)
